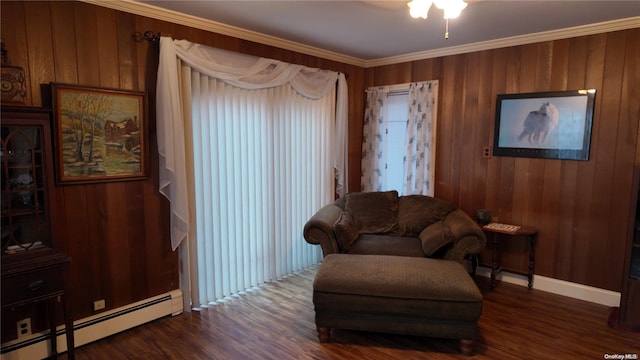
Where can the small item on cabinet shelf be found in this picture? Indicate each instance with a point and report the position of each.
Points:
(23, 199)
(13, 249)
(21, 181)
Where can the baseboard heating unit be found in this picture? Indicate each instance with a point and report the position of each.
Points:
(96, 327)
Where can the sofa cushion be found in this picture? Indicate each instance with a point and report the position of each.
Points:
(387, 245)
(416, 212)
(374, 212)
(345, 229)
(434, 237)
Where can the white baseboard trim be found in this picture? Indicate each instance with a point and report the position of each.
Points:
(559, 287)
(96, 327)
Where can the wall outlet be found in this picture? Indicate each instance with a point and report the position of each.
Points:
(99, 305)
(24, 328)
(486, 152)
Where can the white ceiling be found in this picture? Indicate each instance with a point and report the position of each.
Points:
(370, 30)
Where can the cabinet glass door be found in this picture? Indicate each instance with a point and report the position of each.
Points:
(25, 224)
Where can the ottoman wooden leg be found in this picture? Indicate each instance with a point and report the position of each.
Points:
(466, 346)
(323, 334)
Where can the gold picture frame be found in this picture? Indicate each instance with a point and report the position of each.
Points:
(100, 134)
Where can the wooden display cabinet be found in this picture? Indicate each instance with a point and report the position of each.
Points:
(33, 271)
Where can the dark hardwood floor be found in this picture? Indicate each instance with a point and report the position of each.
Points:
(277, 322)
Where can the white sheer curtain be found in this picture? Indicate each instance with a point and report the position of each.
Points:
(262, 153)
(421, 138)
(374, 125)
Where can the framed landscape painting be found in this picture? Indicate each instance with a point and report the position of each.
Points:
(551, 125)
(100, 134)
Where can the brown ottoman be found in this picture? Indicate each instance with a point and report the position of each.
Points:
(395, 294)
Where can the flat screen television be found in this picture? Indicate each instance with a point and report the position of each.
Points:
(551, 125)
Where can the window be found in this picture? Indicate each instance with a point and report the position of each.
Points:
(392, 161)
(262, 142)
(399, 137)
(261, 170)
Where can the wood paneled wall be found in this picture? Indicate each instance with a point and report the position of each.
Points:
(117, 233)
(580, 207)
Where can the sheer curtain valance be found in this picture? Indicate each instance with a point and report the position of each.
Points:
(243, 71)
(250, 72)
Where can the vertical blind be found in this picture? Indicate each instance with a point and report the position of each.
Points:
(262, 167)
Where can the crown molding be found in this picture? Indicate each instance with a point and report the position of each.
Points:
(175, 17)
(597, 28)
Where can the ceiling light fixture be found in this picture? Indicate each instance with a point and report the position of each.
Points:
(452, 9)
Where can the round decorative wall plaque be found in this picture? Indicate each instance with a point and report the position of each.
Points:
(13, 85)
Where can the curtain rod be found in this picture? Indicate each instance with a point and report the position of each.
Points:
(147, 35)
(399, 87)
(150, 36)
(398, 92)
(395, 89)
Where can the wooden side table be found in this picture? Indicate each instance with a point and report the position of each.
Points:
(507, 230)
(42, 279)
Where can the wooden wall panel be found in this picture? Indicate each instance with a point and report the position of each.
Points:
(467, 120)
(427, 69)
(127, 51)
(79, 247)
(39, 46)
(483, 117)
(579, 207)
(95, 217)
(17, 53)
(605, 156)
(87, 44)
(492, 184)
(629, 124)
(107, 49)
(550, 221)
(64, 54)
(584, 222)
(136, 240)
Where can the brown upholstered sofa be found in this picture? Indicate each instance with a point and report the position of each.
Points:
(383, 223)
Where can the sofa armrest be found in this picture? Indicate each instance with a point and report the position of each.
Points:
(469, 237)
(319, 229)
